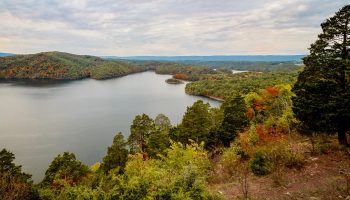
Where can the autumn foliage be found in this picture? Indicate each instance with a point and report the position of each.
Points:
(181, 76)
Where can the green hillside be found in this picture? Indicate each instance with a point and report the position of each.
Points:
(62, 66)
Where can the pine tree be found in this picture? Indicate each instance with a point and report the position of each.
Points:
(141, 129)
(196, 123)
(322, 101)
(234, 119)
(117, 155)
(65, 167)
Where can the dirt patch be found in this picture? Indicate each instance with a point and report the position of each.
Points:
(321, 178)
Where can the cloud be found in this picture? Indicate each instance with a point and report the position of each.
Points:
(163, 27)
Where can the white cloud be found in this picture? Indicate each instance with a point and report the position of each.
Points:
(163, 27)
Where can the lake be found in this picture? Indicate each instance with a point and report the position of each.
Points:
(40, 120)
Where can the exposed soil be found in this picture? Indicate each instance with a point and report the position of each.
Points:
(325, 176)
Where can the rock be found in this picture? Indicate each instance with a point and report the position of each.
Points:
(313, 159)
(314, 198)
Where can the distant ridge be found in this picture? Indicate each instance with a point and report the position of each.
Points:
(275, 58)
(6, 54)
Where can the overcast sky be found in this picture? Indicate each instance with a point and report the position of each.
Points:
(163, 27)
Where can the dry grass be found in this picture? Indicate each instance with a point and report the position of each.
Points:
(324, 176)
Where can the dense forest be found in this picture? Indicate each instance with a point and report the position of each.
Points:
(258, 66)
(277, 135)
(65, 66)
(223, 85)
(62, 66)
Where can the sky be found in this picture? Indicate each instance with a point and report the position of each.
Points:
(163, 27)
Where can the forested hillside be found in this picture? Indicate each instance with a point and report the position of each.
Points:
(65, 66)
(62, 66)
(244, 65)
(223, 85)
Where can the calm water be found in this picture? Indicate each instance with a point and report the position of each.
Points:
(39, 121)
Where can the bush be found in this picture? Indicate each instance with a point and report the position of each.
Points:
(295, 160)
(260, 164)
(281, 154)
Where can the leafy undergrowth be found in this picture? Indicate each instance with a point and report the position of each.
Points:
(322, 174)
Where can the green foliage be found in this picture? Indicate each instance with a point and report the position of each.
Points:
(260, 164)
(261, 66)
(232, 159)
(159, 141)
(62, 66)
(8, 166)
(196, 124)
(14, 184)
(234, 119)
(141, 129)
(111, 69)
(253, 137)
(149, 137)
(117, 155)
(272, 106)
(323, 87)
(179, 174)
(162, 123)
(191, 72)
(223, 86)
(281, 155)
(65, 167)
(174, 81)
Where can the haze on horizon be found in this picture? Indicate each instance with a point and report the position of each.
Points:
(163, 27)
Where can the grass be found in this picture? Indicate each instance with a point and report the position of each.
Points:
(319, 178)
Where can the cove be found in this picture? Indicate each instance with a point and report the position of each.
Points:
(40, 120)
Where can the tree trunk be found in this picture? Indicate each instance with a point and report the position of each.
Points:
(342, 137)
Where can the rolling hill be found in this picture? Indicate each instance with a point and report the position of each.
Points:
(62, 66)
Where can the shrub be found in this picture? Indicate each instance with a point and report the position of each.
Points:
(295, 160)
(281, 154)
(260, 164)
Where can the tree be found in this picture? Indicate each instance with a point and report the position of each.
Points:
(322, 101)
(141, 129)
(14, 184)
(117, 155)
(234, 119)
(196, 124)
(162, 123)
(7, 165)
(159, 141)
(65, 167)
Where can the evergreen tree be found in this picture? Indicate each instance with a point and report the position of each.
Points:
(141, 129)
(14, 184)
(196, 124)
(234, 119)
(322, 101)
(7, 165)
(117, 155)
(159, 141)
(65, 167)
(162, 123)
